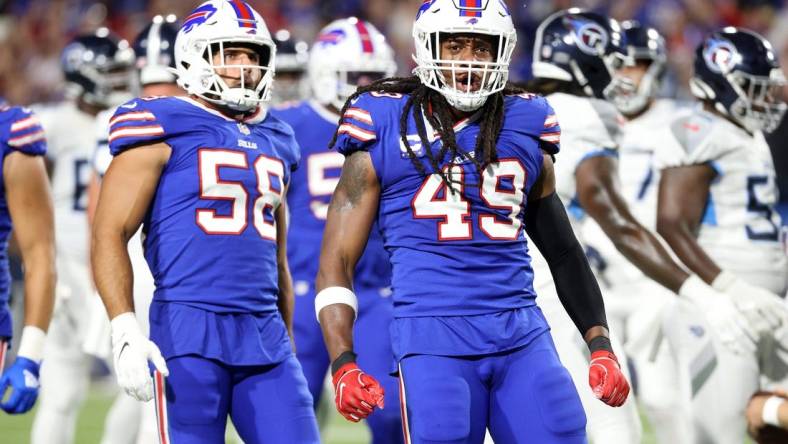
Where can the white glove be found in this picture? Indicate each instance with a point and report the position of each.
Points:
(131, 351)
(728, 322)
(764, 310)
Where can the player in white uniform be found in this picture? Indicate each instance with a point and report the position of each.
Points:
(128, 420)
(97, 69)
(716, 210)
(635, 303)
(576, 55)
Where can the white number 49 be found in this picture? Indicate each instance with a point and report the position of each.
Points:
(454, 210)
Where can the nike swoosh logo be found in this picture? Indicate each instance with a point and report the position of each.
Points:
(125, 344)
(341, 390)
(129, 106)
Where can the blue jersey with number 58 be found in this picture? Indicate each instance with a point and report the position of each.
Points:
(310, 193)
(462, 254)
(210, 233)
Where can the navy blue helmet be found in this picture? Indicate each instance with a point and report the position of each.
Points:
(98, 68)
(737, 70)
(644, 45)
(154, 48)
(292, 59)
(580, 47)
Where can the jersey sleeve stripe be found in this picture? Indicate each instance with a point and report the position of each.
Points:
(551, 137)
(23, 124)
(360, 115)
(356, 132)
(551, 121)
(140, 116)
(27, 139)
(140, 131)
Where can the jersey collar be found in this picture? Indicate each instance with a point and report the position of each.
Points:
(258, 116)
(459, 126)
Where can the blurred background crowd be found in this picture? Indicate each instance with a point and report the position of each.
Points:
(33, 32)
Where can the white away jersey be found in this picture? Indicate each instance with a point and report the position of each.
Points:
(71, 136)
(641, 139)
(740, 229)
(589, 127)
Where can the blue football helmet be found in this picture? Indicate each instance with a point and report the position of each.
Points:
(737, 70)
(292, 60)
(154, 49)
(98, 68)
(582, 48)
(644, 45)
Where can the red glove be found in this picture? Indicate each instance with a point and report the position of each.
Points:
(356, 393)
(606, 378)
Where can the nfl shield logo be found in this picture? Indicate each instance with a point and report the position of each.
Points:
(244, 129)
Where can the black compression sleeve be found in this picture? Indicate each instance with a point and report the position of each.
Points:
(548, 227)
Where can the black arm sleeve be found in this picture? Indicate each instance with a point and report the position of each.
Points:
(548, 227)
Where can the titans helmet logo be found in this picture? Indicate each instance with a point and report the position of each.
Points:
(592, 39)
(720, 56)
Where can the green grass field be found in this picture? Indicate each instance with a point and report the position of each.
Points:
(16, 429)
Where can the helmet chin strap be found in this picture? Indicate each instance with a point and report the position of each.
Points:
(465, 104)
(239, 99)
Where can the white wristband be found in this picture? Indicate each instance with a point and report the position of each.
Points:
(335, 295)
(771, 410)
(124, 323)
(724, 281)
(692, 286)
(31, 346)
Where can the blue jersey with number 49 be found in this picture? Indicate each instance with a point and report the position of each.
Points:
(210, 233)
(309, 195)
(458, 257)
(20, 130)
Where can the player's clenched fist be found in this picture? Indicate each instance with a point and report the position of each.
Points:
(606, 378)
(131, 351)
(356, 394)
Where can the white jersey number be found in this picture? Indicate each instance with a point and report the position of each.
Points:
(320, 184)
(455, 210)
(214, 188)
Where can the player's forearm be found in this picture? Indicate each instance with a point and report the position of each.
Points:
(645, 251)
(286, 301)
(336, 322)
(686, 247)
(40, 278)
(549, 228)
(112, 271)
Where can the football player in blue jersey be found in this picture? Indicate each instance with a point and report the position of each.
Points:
(207, 177)
(456, 164)
(346, 54)
(25, 203)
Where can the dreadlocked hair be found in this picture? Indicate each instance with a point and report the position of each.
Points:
(442, 121)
